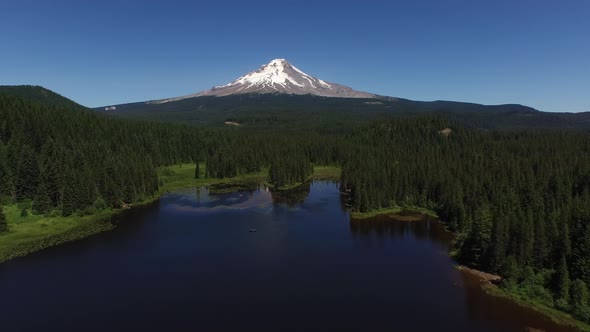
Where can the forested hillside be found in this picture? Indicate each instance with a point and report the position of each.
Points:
(41, 95)
(302, 112)
(72, 159)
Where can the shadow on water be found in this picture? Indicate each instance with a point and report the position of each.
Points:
(291, 197)
(208, 199)
(201, 201)
(384, 226)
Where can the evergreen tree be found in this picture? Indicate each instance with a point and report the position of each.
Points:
(581, 256)
(6, 182)
(579, 300)
(579, 293)
(27, 174)
(69, 201)
(197, 170)
(562, 290)
(42, 202)
(3, 221)
(478, 238)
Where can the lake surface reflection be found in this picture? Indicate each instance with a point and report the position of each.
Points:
(189, 262)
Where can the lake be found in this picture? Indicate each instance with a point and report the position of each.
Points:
(253, 260)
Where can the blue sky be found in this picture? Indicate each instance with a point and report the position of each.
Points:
(98, 53)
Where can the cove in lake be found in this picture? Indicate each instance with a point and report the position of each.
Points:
(189, 262)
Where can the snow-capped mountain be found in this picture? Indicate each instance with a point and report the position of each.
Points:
(279, 76)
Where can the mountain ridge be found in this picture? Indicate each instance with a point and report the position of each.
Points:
(295, 112)
(41, 95)
(304, 111)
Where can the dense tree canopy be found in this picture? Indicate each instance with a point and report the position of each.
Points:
(68, 159)
(3, 223)
(516, 199)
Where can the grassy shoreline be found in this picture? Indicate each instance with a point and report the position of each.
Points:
(328, 173)
(31, 233)
(182, 176)
(390, 211)
(291, 187)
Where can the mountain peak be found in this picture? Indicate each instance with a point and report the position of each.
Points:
(278, 61)
(277, 76)
(280, 76)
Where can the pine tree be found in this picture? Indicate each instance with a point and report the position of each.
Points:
(562, 290)
(197, 170)
(3, 221)
(478, 238)
(69, 200)
(364, 200)
(42, 201)
(540, 250)
(27, 174)
(6, 182)
(579, 294)
(581, 256)
(356, 198)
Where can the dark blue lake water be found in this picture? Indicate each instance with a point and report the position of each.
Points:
(190, 263)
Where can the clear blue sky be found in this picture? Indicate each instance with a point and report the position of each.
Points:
(106, 52)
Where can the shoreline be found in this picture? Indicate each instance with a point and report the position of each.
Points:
(483, 277)
(79, 227)
(557, 316)
(489, 283)
(400, 213)
(26, 237)
(75, 233)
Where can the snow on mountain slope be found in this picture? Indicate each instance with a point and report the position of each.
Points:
(279, 76)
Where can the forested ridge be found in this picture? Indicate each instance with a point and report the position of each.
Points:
(519, 201)
(66, 159)
(299, 113)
